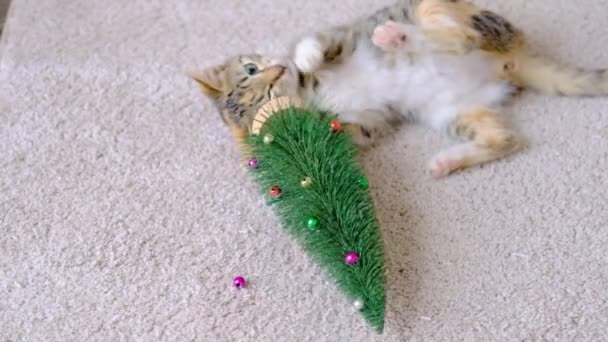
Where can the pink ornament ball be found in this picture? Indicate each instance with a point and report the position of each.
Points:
(351, 258)
(239, 282)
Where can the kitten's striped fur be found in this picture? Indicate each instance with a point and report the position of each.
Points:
(341, 70)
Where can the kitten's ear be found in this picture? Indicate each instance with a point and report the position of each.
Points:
(211, 81)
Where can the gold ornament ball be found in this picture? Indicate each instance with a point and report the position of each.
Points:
(268, 139)
(306, 182)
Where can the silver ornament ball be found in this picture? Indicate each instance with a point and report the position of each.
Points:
(358, 304)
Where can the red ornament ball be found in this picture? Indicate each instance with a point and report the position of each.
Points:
(336, 126)
(275, 191)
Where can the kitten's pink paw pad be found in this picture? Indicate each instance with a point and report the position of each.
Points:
(389, 36)
(443, 167)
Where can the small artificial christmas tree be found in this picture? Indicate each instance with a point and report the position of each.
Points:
(305, 163)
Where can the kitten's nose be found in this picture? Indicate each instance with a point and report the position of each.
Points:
(274, 72)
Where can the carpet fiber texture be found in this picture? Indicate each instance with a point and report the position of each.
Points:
(125, 214)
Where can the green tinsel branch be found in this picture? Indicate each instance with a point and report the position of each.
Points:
(310, 175)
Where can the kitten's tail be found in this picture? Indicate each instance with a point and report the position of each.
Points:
(547, 76)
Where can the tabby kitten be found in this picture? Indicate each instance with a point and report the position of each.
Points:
(446, 63)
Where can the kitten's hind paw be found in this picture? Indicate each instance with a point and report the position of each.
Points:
(442, 168)
(449, 161)
(308, 55)
(389, 36)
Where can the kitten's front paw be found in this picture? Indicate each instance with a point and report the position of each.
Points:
(308, 55)
(389, 36)
(361, 136)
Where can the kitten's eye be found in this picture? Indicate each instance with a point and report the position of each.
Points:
(251, 69)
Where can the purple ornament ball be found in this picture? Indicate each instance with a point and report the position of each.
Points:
(254, 163)
(239, 282)
(351, 258)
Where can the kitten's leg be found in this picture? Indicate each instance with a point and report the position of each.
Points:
(368, 126)
(462, 26)
(489, 138)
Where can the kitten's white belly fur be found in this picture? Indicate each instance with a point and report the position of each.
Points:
(434, 89)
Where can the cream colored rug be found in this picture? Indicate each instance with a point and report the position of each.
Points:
(124, 213)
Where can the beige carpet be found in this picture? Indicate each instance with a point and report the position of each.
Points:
(124, 213)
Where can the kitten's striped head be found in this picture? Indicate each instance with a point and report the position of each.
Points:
(241, 85)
